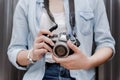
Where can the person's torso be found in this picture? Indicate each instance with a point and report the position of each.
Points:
(84, 28)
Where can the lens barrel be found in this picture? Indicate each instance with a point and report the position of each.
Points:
(61, 50)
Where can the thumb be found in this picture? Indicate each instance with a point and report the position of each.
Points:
(72, 46)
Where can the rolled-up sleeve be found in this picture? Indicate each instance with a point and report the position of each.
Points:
(103, 37)
(19, 34)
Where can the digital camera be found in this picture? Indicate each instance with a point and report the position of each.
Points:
(61, 49)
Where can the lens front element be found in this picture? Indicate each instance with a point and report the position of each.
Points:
(61, 50)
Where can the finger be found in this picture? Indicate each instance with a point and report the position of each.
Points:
(60, 60)
(43, 45)
(40, 51)
(72, 46)
(37, 54)
(43, 31)
(44, 39)
(66, 66)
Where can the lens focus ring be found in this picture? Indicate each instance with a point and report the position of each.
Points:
(61, 49)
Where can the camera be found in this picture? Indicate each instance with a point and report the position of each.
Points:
(61, 49)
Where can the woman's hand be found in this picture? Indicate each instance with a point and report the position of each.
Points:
(40, 46)
(78, 60)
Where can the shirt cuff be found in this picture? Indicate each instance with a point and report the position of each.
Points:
(109, 46)
(13, 58)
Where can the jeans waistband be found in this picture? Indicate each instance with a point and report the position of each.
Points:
(51, 64)
(56, 72)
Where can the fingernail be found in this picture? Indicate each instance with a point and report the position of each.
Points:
(69, 41)
(46, 51)
(51, 34)
(52, 44)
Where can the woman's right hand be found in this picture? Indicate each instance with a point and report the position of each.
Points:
(41, 46)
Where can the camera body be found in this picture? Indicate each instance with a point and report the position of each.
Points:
(61, 49)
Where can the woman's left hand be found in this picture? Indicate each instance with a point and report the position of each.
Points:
(78, 60)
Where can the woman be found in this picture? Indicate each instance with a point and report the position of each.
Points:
(30, 47)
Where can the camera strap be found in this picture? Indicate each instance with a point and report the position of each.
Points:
(71, 12)
(72, 20)
(46, 5)
(71, 16)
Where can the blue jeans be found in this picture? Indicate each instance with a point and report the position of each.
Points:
(56, 72)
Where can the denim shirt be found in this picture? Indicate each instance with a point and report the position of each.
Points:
(91, 26)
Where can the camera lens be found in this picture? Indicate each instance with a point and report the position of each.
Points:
(61, 49)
